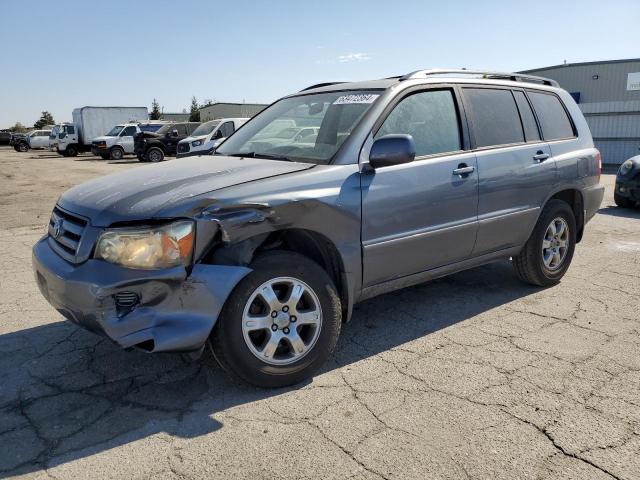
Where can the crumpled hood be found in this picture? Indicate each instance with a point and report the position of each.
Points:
(140, 193)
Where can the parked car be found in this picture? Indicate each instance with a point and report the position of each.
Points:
(627, 191)
(118, 142)
(208, 136)
(34, 139)
(154, 146)
(291, 135)
(5, 138)
(264, 252)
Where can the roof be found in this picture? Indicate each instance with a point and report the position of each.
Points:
(580, 64)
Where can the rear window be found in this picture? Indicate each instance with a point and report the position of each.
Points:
(553, 118)
(494, 117)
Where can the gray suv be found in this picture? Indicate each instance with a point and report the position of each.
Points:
(262, 249)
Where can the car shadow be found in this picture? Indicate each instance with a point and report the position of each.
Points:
(66, 394)
(615, 211)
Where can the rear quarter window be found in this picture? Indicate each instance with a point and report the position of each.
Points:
(494, 117)
(553, 118)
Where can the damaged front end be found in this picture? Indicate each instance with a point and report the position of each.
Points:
(156, 310)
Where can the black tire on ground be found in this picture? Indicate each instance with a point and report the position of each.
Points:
(529, 264)
(72, 151)
(141, 157)
(22, 147)
(622, 202)
(227, 339)
(155, 154)
(116, 153)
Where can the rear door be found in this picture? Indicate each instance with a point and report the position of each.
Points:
(420, 215)
(515, 168)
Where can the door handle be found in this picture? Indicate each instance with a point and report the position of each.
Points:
(540, 156)
(463, 170)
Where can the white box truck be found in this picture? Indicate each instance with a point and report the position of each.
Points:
(89, 123)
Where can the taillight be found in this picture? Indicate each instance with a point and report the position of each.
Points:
(599, 160)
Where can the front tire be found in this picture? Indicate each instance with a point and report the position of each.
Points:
(547, 254)
(22, 147)
(72, 151)
(622, 202)
(117, 153)
(155, 155)
(280, 323)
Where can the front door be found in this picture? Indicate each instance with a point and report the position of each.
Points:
(423, 214)
(126, 138)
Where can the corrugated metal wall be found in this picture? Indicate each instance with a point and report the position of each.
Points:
(612, 111)
(230, 110)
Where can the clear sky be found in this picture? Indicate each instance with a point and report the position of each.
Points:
(58, 55)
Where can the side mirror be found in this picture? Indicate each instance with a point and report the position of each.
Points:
(392, 150)
(174, 133)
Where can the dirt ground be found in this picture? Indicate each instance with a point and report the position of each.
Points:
(472, 376)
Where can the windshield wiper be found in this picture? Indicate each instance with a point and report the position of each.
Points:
(266, 156)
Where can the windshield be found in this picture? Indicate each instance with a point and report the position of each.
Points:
(54, 131)
(166, 128)
(205, 128)
(273, 132)
(115, 131)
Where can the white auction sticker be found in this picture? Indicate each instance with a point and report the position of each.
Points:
(356, 98)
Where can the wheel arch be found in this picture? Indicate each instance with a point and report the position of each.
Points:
(312, 244)
(572, 196)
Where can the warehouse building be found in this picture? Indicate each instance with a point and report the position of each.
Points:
(230, 110)
(608, 94)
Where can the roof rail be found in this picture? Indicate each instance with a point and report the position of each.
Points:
(514, 77)
(319, 85)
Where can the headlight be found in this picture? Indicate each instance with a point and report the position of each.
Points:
(625, 167)
(197, 143)
(154, 247)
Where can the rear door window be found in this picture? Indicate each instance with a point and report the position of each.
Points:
(493, 116)
(553, 118)
(529, 124)
(430, 117)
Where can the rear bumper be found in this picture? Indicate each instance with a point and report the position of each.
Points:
(592, 197)
(175, 312)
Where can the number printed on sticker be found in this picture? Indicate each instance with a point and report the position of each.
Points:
(356, 98)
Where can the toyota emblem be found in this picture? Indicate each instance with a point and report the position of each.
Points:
(57, 228)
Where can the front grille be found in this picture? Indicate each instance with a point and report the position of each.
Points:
(65, 232)
(183, 147)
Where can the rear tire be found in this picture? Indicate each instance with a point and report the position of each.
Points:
(298, 348)
(622, 202)
(543, 261)
(155, 155)
(116, 153)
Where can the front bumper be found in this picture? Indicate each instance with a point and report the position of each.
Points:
(628, 186)
(176, 309)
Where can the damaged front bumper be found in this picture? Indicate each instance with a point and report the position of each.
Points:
(155, 310)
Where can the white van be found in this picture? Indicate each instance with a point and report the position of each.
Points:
(208, 136)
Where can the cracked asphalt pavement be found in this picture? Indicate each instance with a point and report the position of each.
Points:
(472, 376)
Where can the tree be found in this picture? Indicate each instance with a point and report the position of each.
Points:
(45, 119)
(155, 110)
(194, 110)
(18, 128)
